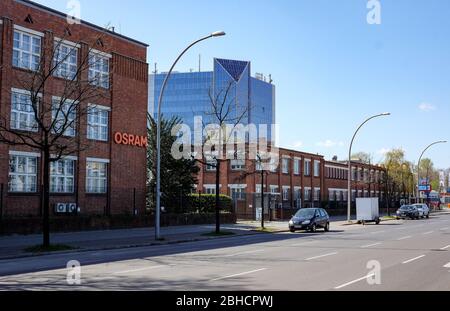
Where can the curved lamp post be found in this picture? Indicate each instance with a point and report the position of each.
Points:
(349, 193)
(158, 138)
(418, 165)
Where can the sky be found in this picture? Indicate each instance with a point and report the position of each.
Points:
(332, 69)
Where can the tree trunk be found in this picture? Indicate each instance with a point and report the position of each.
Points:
(218, 196)
(46, 199)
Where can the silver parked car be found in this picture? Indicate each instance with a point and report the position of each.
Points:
(424, 210)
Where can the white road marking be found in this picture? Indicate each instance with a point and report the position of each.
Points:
(446, 247)
(444, 229)
(139, 270)
(321, 256)
(414, 259)
(429, 232)
(371, 245)
(404, 238)
(355, 281)
(378, 232)
(245, 253)
(304, 243)
(447, 265)
(239, 274)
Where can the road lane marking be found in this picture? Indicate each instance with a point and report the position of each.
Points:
(404, 238)
(378, 232)
(444, 229)
(371, 245)
(304, 243)
(139, 270)
(414, 259)
(239, 274)
(356, 281)
(245, 253)
(321, 256)
(447, 265)
(429, 232)
(445, 248)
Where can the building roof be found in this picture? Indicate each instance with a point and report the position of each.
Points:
(235, 68)
(85, 23)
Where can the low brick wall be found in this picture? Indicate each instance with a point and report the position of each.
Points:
(90, 223)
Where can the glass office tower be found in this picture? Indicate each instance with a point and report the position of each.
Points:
(187, 95)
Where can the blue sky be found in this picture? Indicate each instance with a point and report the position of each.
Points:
(331, 68)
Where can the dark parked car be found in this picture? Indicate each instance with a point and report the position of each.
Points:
(310, 219)
(408, 211)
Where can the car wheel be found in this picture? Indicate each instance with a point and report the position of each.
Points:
(314, 228)
(428, 216)
(292, 230)
(327, 227)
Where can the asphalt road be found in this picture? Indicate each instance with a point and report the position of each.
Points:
(396, 255)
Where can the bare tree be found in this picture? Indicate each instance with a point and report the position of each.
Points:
(58, 114)
(225, 114)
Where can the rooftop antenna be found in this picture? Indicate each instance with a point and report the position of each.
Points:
(199, 62)
(156, 69)
(270, 78)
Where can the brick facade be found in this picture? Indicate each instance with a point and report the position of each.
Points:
(126, 98)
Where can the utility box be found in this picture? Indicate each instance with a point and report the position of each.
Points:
(367, 210)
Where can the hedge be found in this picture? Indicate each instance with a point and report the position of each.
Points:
(206, 203)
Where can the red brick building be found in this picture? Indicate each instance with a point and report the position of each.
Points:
(301, 179)
(110, 176)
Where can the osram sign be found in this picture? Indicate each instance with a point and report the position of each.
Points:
(130, 140)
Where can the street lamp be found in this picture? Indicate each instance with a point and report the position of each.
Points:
(418, 166)
(158, 138)
(349, 194)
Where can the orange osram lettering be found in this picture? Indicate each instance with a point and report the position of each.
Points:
(118, 138)
(125, 139)
(144, 142)
(130, 139)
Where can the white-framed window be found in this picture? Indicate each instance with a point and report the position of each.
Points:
(297, 193)
(22, 174)
(99, 70)
(273, 189)
(22, 113)
(285, 165)
(286, 193)
(316, 194)
(62, 176)
(332, 195)
(26, 50)
(307, 194)
(237, 193)
(210, 189)
(211, 165)
(66, 61)
(237, 165)
(296, 167)
(307, 167)
(64, 114)
(354, 174)
(96, 177)
(98, 121)
(316, 168)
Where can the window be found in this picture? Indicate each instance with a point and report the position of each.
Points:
(297, 167)
(62, 176)
(307, 194)
(96, 181)
(22, 112)
(273, 189)
(332, 195)
(285, 166)
(26, 50)
(99, 70)
(65, 60)
(316, 194)
(354, 174)
(316, 168)
(98, 123)
(237, 165)
(237, 193)
(307, 168)
(211, 165)
(64, 113)
(210, 189)
(297, 193)
(286, 193)
(22, 174)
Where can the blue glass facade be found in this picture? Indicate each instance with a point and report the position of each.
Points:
(188, 95)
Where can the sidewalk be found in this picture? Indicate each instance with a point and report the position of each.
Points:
(14, 246)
